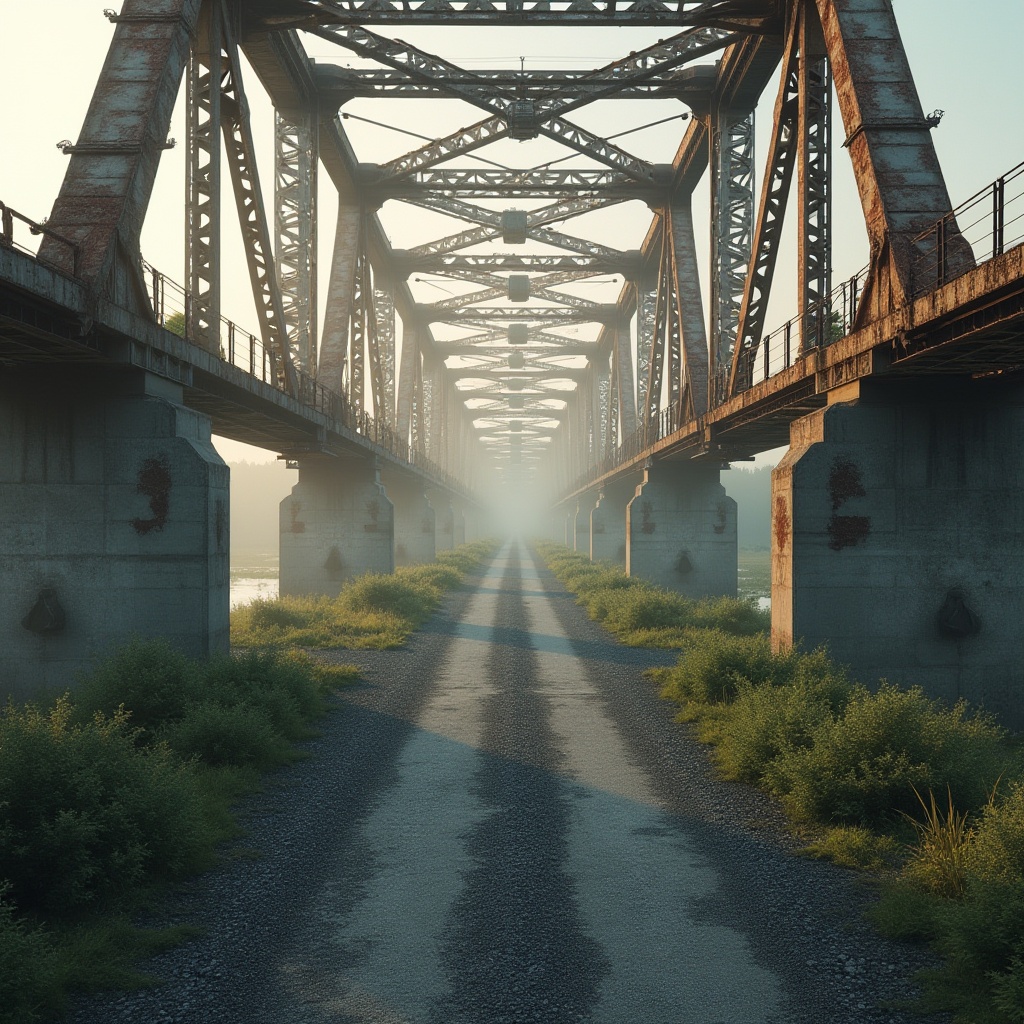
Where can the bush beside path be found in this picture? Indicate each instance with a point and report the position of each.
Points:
(125, 786)
(927, 798)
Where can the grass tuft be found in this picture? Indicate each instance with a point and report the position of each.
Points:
(376, 611)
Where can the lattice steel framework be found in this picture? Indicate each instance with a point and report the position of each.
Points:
(296, 162)
(603, 384)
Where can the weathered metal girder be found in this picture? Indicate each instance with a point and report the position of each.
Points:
(490, 183)
(340, 84)
(742, 15)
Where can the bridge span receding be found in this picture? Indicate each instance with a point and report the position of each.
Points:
(897, 511)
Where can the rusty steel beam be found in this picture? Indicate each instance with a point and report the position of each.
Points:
(902, 190)
(106, 191)
(203, 181)
(296, 163)
(814, 182)
(771, 214)
(245, 181)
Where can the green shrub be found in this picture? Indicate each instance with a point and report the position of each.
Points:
(852, 846)
(763, 721)
(242, 735)
(861, 767)
(1008, 989)
(85, 815)
(381, 592)
(28, 975)
(377, 610)
(982, 934)
(714, 664)
(285, 691)
(729, 615)
(997, 851)
(149, 677)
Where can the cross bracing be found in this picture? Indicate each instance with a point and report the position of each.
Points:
(620, 293)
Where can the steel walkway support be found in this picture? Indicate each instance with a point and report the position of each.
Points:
(898, 538)
(114, 523)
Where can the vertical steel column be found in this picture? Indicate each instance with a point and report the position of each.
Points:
(384, 306)
(626, 389)
(814, 183)
(333, 362)
(603, 402)
(732, 219)
(296, 163)
(404, 416)
(252, 218)
(646, 322)
(202, 203)
(690, 312)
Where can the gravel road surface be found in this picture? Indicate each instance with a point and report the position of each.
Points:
(503, 824)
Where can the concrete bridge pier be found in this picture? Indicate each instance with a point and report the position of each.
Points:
(898, 538)
(445, 517)
(113, 523)
(608, 521)
(581, 522)
(337, 523)
(414, 518)
(459, 523)
(681, 530)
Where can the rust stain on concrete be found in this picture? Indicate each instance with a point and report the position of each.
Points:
(155, 483)
(720, 517)
(297, 526)
(844, 483)
(781, 523)
(647, 524)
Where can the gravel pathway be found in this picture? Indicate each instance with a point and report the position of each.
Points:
(504, 824)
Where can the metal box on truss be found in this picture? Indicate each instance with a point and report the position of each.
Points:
(518, 287)
(513, 227)
(516, 401)
(516, 360)
(517, 334)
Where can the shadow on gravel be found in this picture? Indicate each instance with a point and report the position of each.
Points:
(547, 644)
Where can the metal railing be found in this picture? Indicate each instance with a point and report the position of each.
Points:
(989, 223)
(245, 351)
(8, 215)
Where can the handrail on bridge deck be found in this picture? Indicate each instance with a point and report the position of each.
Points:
(243, 350)
(997, 225)
(8, 215)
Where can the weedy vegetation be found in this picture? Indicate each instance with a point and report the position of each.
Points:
(377, 610)
(928, 797)
(125, 784)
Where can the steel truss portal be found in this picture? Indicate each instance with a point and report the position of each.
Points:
(615, 360)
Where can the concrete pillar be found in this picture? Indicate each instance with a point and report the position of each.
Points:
(113, 523)
(414, 518)
(458, 524)
(472, 516)
(608, 521)
(681, 530)
(581, 523)
(444, 520)
(570, 529)
(898, 538)
(336, 524)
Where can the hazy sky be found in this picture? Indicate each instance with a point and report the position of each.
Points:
(966, 60)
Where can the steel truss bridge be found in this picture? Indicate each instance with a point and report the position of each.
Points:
(517, 372)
